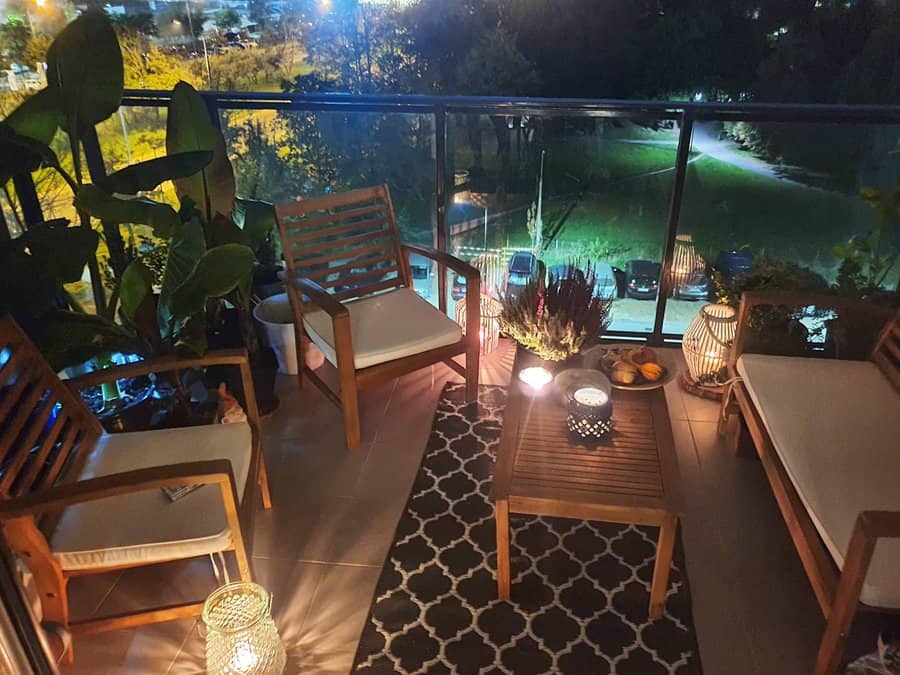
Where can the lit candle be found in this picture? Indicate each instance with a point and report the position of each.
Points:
(535, 377)
(591, 396)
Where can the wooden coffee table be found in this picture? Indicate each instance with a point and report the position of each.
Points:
(632, 477)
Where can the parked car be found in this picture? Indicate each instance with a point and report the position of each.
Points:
(458, 290)
(606, 284)
(523, 267)
(642, 279)
(734, 262)
(695, 287)
(420, 271)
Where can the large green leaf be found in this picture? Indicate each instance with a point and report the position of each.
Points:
(186, 248)
(147, 175)
(38, 117)
(136, 285)
(137, 211)
(34, 267)
(23, 154)
(256, 218)
(189, 128)
(71, 338)
(84, 69)
(63, 250)
(218, 272)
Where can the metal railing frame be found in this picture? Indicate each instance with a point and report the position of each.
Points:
(683, 113)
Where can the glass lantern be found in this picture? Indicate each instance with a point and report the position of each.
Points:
(241, 637)
(590, 414)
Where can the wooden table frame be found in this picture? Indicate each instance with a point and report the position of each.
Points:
(616, 482)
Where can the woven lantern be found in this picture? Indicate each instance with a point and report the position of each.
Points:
(707, 341)
(686, 261)
(240, 634)
(489, 332)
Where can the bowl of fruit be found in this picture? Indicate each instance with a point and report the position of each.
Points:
(628, 367)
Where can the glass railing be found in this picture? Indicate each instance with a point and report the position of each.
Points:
(653, 194)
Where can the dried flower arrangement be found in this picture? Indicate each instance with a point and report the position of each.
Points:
(558, 319)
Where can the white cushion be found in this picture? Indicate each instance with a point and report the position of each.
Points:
(385, 327)
(146, 526)
(836, 427)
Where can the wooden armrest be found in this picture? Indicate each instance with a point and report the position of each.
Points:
(880, 523)
(319, 296)
(209, 472)
(454, 263)
(160, 364)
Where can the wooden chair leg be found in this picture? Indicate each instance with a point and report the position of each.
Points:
(350, 406)
(742, 442)
(473, 354)
(846, 599)
(264, 482)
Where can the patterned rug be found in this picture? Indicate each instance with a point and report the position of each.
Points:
(580, 590)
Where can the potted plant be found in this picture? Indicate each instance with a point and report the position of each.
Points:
(558, 319)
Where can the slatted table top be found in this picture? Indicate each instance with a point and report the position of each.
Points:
(632, 476)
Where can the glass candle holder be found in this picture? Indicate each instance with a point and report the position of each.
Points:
(590, 415)
(241, 637)
(535, 378)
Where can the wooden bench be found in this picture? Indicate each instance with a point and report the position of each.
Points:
(837, 587)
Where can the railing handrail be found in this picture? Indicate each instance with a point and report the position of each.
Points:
(416, 103)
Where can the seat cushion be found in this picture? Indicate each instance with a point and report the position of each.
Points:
(835, 426)
(385, 327)
(146, 526)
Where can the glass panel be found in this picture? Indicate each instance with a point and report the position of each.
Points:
(285, 155)
(782, 192)
(604, 197)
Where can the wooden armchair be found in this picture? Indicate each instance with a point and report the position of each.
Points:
(76, 501)
(353, 297)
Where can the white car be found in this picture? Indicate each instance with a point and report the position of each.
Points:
(605, 281)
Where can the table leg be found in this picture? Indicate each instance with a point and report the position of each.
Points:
(501, 515)
(663, 563)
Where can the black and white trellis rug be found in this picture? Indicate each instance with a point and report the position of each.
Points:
(580, 590)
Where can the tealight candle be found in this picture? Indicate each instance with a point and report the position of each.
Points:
(535, 377)
(590, 396)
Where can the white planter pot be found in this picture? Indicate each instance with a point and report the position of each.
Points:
(276, 316)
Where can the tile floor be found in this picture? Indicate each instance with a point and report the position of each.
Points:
(320, 549)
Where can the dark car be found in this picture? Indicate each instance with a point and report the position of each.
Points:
(523, 267)
(734, 262)
(642, 279)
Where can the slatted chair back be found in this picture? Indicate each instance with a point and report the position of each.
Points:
(886, 353)
(348, 243)
(46, 430)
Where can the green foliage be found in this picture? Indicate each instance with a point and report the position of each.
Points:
(84, 68)
(35, 265)
(190, 129)
(227, 18)
(149, 174)
(768, 275)
(557, 320)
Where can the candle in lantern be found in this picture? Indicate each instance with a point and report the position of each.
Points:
(535, 377)
(590, 396)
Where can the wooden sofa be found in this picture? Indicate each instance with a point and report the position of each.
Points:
(828, 434)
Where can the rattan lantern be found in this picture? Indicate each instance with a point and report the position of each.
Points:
(706, 343)
(241, 637)
(686, 261)
(489, 331)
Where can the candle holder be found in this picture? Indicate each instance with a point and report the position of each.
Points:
(241, 636)
(535, 378)
(590, 415)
